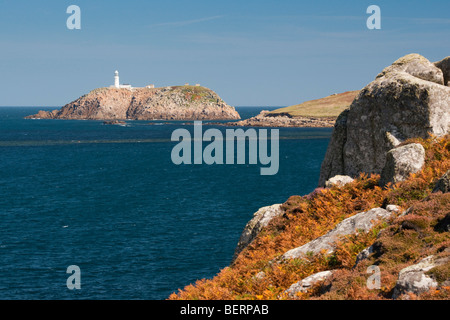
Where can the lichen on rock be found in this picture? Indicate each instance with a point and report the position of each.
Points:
(361, 222)
(401, 162)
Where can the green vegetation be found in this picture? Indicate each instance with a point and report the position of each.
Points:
(440, 273)
(196, 93)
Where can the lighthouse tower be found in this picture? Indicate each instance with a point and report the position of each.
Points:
(116, 79)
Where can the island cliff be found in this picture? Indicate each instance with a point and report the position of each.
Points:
(168, 103)
(382, 233)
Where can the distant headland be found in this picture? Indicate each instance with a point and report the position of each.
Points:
(124, 102)
(320, 113)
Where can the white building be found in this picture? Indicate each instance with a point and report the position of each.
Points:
(117, 84)
(116, 79)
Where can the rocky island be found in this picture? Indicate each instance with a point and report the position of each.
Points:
(378, 225)
(166, 103)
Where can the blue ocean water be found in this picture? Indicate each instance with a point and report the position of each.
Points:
(109, 200)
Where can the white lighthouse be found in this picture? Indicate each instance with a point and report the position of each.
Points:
(117, 84)
(116, 79)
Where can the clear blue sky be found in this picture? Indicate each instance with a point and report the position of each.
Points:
(251, 52)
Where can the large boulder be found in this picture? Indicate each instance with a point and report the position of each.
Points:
(406, 100)
(444, 65)
(414, 279)
(333, 163)
(304, 285)
(338, 181)
(361, 222)
(260, 219)
(417, 66)
(401, 162)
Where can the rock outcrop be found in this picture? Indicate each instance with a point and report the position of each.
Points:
(444, 65)
(363, 221)
(169, 103)
(115, 122)
(406, 100)
(443, 183)
(304, 285)
(260, 219)
(414, 279)
(338, 181)
(363, 255)
(417, 66)
(265, 119)
(401, 162)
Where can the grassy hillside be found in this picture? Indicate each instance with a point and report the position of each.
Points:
(328, 107)
(403, 241)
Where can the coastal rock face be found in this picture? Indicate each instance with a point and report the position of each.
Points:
(406, 100)
(363, 221)
(171, 103)
(401, 162)
(261, 219)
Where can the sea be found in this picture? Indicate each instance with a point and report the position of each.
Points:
(109, 200)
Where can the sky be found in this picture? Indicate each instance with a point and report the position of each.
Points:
(251, 52)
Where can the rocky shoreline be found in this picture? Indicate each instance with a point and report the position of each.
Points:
(265, 119)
